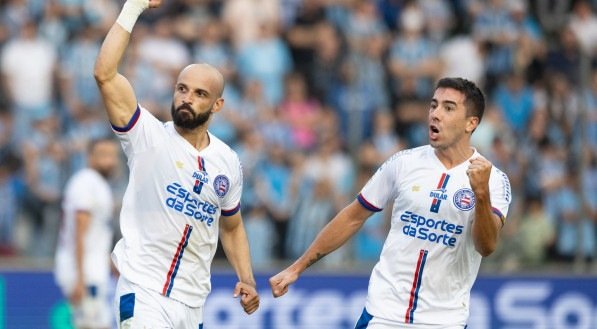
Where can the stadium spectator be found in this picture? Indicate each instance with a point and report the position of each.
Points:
(583, 23)
(535, 235)
(11, 190)
(413, 59)
(588, 186)
(300, 112)
(267, 60)
(514, 98)
(29, 87)
(44, 159)
(573, 233)
(245, 20)
(273, 186)
(302, 37)
(328, 56)
(496, 30)
(589, 105)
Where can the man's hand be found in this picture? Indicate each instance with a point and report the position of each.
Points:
(249, 298)
(146, 3)
(281, 281)
(78, 293)
(478, 173)
(154, 3)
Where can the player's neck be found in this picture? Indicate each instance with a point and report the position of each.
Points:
(198, 138)
(453, 156)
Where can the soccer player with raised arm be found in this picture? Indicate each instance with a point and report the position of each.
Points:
(449, 205)
(183, 193)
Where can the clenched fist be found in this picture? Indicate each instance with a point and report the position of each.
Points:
(280, 282)
(478, 173)
(249, 298)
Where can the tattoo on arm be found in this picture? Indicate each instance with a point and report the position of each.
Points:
(314, 260)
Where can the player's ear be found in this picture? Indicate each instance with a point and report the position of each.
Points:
(471, 124)
(218, 105)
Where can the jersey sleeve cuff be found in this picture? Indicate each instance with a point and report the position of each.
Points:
(367, 205)
(130, 124)
(499, 214)
(231, 211)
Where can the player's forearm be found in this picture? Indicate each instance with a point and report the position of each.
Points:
(236, 248)
(79, 251)
(335, 234)
(485, 228)
(82, 220)
(111, 53)
(114, 46)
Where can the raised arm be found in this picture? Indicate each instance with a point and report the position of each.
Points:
(117, 93)
(346, 223)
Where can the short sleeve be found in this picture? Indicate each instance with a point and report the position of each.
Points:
(381, 187)
(80, 194)
(142, 132)
(231, 200)
(500, 192)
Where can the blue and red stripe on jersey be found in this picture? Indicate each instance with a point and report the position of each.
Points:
(201, 163)
(499, 214)
(232, 211)
(366, 204)
(201, 166)
(441, 185)
(414, 292)
(184, 241)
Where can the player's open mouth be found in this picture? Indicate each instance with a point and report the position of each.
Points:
(433, 131)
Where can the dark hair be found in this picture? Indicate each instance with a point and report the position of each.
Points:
(92, 143)
(474, 99)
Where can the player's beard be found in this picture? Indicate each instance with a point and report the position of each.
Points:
(106, 172)
(190, 121)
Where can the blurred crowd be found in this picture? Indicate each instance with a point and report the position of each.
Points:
(319, 93)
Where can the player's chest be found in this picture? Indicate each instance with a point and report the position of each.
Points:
(435, 208)
(437, 193)
(201, 175)
(185, 178)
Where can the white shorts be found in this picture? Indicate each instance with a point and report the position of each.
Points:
(368, 321)
(137, 307)
(94, 309)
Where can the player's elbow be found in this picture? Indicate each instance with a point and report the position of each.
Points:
(485, 249)
(101, 73)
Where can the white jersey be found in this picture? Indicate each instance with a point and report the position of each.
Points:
(172, 206)
(428, 263)
(86, 190)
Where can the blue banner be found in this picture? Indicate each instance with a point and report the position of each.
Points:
(32, 300)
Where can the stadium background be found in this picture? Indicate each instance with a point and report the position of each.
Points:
(319, 93)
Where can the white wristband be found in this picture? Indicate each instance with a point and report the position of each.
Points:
(130, 12)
